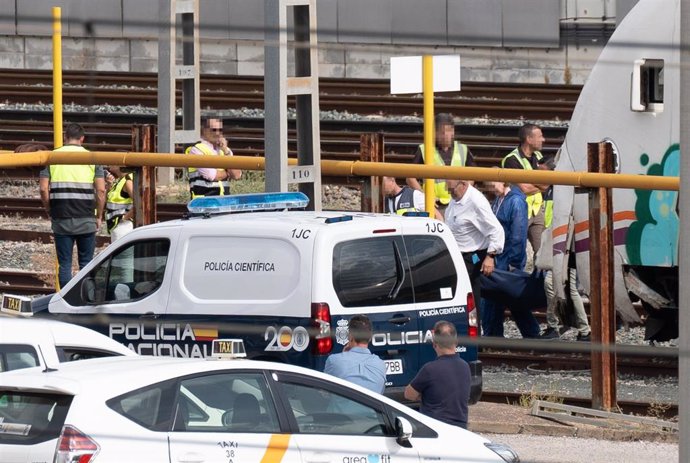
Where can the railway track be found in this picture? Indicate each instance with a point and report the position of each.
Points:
(255, 84)
(542, 102)
(657, 361)
(32, 208)
(26, 283)
(340, 140)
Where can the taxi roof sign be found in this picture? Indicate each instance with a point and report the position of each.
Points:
(16, 305)
(247, 202)
(228, 349)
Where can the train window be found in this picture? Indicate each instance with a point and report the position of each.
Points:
(648, 86)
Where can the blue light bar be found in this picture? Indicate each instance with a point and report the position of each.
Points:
(342, 218)
(415, 214)
(247, 202)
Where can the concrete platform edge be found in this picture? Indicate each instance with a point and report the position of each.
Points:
(560, 430)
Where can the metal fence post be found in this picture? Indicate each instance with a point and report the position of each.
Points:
(371, 150)
(603, 311)
(144, 141)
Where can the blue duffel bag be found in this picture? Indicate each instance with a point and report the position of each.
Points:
(516, 289)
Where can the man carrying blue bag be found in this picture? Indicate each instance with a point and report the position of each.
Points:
(510, 286)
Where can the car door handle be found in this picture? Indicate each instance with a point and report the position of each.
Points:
(190, 457)
(149, 316)
(399, 320)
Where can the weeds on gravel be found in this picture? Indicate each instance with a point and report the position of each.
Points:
(658, 410)
(528, 399)
(252, 181)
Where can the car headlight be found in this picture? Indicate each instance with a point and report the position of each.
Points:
(503, 451)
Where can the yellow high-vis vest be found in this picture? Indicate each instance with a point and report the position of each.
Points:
(534, 201)
(458, 159)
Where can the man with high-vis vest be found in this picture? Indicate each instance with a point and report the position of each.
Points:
(527, 156)
(74, 196)
(448, 152)
(208, 181)
(398, 200)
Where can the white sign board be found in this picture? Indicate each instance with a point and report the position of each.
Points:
(406, 74)
(300, 174)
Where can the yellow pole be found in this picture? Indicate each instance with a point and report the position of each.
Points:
(57, 77)
(429, 135)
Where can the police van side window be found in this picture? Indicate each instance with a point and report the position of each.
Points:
(371, 272)
(433, 271)
(131, 273)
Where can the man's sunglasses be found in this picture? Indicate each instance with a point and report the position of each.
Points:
(214, 129)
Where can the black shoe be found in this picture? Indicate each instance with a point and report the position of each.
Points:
(549, 333)
(586, 338)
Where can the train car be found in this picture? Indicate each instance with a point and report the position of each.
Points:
(631, 100)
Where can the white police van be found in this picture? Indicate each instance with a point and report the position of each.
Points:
(287, 282)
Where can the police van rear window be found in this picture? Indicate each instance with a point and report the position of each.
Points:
(393, 270)
(31, 418)
(241, 268)
(372, 272)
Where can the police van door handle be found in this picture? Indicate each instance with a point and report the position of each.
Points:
(399, 320)
(149, 316)
(400, 274)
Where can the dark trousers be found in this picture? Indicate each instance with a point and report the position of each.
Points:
(492, 319)
(64, 245)
(473, 263)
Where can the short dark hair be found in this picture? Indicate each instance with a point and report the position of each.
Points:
(30, 147)
(445, 334)
(74, 132)
(359, 328)
(442, 119)
(207, 118)
(525, 131)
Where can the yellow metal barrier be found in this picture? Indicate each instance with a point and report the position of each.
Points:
(347, 168)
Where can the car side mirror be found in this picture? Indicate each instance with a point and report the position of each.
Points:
(403, 432)
(88, 290)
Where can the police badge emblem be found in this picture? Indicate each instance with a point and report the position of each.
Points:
(342, 335)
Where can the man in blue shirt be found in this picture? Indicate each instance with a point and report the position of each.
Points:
(356, 363)
(443, 385)
(510, 208)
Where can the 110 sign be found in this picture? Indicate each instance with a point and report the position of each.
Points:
(300, 174)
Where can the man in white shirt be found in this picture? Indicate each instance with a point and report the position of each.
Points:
(478, 233)
(207, 181)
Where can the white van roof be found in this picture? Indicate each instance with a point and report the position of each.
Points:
(285, 219)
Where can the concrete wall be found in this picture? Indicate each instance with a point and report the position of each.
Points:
(498, 40)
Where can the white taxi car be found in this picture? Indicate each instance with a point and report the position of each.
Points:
(191, 410)
(26, 343)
